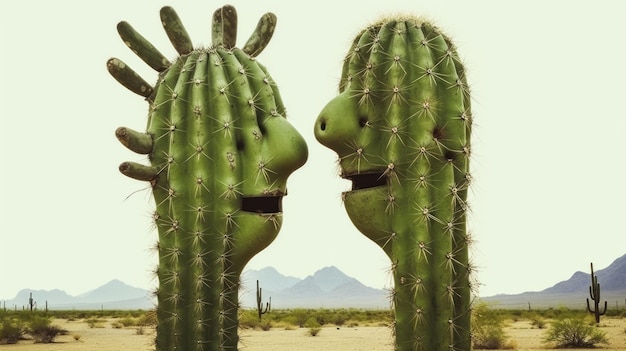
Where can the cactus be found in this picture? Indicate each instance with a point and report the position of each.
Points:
(259, 302)
(594, 293)
(32, 303)
(401, 128)
(220, 152)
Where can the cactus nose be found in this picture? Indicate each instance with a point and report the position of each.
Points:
(323, 125)
(338, 124)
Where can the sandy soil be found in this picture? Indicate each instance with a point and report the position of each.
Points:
(107, 338)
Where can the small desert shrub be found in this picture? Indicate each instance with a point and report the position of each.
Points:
(488, 329)
(265, 325)
(575, 332)
(128, 321)
(147, 319)
(117, 325)
(538, 322)
(76, 337)
(12, 330)
(248, 321)
(42, 331)
(313, 325)
(95, 322)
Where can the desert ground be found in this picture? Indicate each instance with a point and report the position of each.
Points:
(82, 337)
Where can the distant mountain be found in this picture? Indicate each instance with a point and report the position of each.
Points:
(612, 278)
(270, 278)
(40, 297)
(573, 291)
(115, 290)
(112, 295)
(328, 287)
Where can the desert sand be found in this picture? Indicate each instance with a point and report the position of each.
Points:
(81, 337)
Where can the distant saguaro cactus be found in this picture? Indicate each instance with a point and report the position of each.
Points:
(594, 293)
(220, 151)
(401, 127)
(259, 301)
(31, 302)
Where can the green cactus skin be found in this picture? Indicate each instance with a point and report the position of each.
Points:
(220, 152)
(401, 128)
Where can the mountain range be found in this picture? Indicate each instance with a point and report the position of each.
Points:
(329, 287)
(573, 291)
(114, 295)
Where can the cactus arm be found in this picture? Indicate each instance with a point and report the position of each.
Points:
(261, 35)
(176, 31)
(128, 78)
(138, 171)
(138, 142)
(142, 47)
(225, 27)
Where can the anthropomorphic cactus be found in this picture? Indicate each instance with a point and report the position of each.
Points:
(220, 152)
(401, 127)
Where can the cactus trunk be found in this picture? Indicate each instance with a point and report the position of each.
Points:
(401, 128)
(220, 152)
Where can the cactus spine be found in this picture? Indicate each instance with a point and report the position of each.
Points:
(401, 128)
(220, 152)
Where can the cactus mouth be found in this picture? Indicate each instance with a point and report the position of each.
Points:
(367, 180)
(262, 204)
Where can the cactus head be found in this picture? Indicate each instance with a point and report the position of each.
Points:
(401, 128)
(220, 151)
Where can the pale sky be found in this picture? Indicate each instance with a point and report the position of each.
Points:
(549, 87)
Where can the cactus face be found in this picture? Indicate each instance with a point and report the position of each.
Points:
(220, 152)
(401, 128)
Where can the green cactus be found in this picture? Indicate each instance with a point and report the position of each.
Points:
(220, 152)
(401, 128)
(594, 293)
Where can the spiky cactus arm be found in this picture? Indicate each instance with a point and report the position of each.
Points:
(401, 128)
(220, 152)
